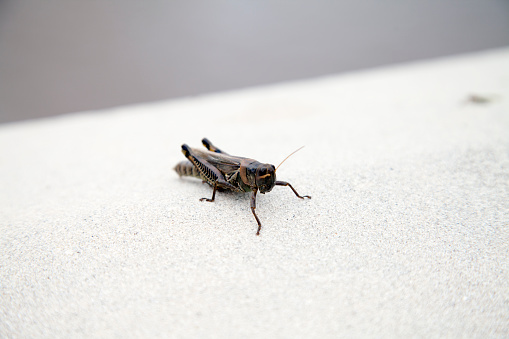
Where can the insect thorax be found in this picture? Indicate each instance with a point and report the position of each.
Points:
(235, 179)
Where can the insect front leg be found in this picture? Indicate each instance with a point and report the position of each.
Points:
(253, 207)
(284, 183)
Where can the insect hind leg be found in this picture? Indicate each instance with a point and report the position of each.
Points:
(213, 195)
(206, 142)
(208, 172)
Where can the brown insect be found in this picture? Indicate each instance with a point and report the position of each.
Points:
(226, 172)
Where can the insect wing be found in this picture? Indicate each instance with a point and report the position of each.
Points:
(226, 164)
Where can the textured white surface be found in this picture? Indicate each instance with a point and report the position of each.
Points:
(407, 232)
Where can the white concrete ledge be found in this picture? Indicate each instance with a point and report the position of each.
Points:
(407, 233)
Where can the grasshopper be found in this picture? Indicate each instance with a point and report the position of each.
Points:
(227, 172)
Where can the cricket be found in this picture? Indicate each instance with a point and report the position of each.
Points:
(227, 172)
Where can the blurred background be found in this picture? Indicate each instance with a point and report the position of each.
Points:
(60, 56)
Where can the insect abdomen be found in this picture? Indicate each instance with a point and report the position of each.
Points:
(187, 169)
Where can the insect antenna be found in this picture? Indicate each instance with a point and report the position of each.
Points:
(288, 157)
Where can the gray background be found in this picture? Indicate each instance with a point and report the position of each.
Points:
(63, 56)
